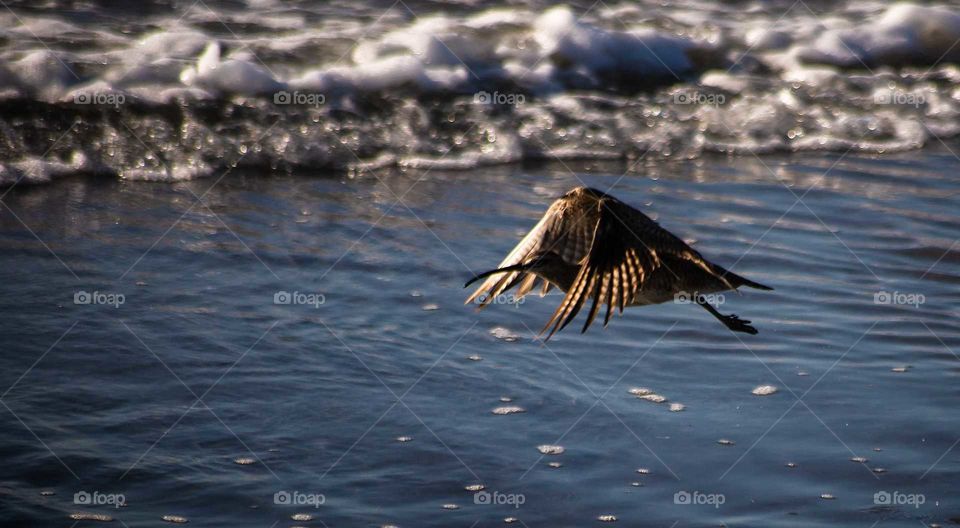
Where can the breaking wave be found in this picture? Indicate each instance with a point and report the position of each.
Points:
(282, 87)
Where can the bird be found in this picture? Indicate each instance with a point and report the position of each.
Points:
(593, 246)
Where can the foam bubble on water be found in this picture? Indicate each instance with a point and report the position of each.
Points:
(404, 439)
(791, 465)
(47, 493)
(548, 449)
(244, 461)
(900, 369)
(677, 407)
(475, 357)
(725, 442)
(555, 465)
(636, 484)
(879, 470)
(430, 307)
(827, 496)
(175, 519)
(607, 518)
(302, 517)
(504, 334)
(474, 487)
(764, 390)
(639, 391)
(509, 409)
(643, 471)
(506, 399)
(859, 459)
(510, 520)
(655, 398)
(89, 516)
(450, 507)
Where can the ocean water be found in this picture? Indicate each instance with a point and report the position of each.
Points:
(234, 237)
(157, 396)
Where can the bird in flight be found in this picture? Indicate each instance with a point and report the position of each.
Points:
(593, 246)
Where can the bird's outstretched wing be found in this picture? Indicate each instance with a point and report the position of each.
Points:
(626, 248)
(566, 229)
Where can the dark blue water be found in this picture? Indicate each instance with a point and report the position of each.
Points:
(156, 399)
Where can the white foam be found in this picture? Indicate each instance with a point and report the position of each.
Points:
(642, 53)
(43, 73)
(32, 170)
(232, 76)
(905, 34)
(380, 75)
(767, 38)
(725, 81)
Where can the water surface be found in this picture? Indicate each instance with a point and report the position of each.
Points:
(158, 397)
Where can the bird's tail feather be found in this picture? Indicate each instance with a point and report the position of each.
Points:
(506, 269)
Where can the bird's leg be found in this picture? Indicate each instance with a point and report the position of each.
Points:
(730, 321)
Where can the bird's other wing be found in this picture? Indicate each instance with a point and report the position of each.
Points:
(626, 248)
(566, 229)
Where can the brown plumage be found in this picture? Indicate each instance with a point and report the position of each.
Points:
(598, 249)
